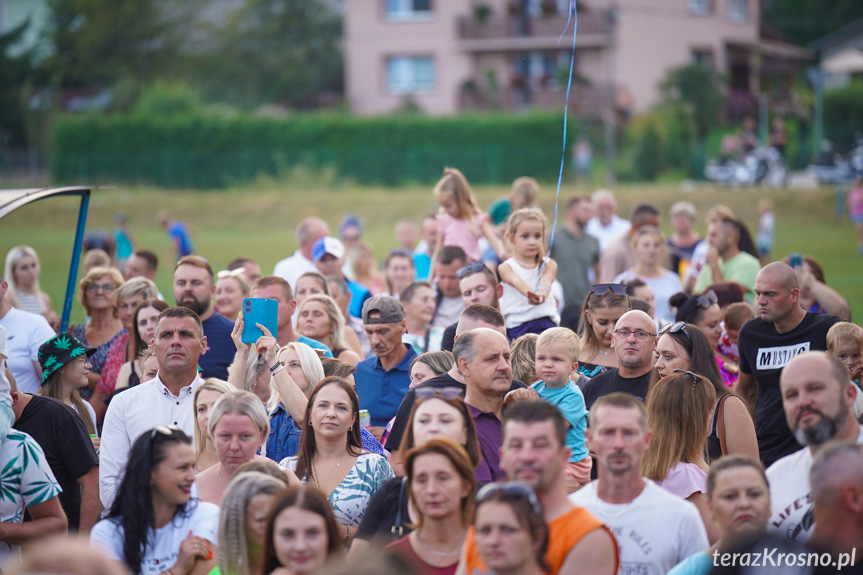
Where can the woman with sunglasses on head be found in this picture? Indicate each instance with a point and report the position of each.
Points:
(738, 497)
(678, 410)
(331, 456)
(703, 311)
(441, 485)
(602, 307)
(684, 346)
(96, 294)
(243, 523)
(231, 288)
(436, 413)
(154, 523)
(302, 533)
(510, 532)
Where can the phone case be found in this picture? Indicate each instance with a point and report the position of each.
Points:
(262, 311)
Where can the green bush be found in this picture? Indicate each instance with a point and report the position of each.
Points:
(208, 150)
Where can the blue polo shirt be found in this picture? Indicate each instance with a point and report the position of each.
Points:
(380, 391)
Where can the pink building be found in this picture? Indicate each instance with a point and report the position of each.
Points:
(446, 56)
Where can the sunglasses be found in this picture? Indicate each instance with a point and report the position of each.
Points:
(676, 327)
(230, 273)
(469, 269)
(166, 430)
(443, 392)
(692, 373)
(602, 289)
(510, 489)
(707, 299)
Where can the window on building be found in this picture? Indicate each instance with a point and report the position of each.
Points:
(703, 58)
(701, 6)
(409, 74)
(738, 10)
(408, 9)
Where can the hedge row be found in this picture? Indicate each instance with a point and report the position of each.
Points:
(210, 151)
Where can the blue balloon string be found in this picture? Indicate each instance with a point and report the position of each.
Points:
(571, 17)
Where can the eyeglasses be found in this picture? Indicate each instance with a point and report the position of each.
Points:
(707, 299)
(444, 392)
(512, 489)
(471, 268)
(640, 334)
(104, 288)
(676, 327)
(602, 289)
(692, 373)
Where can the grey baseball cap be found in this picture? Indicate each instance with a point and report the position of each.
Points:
(389, 308)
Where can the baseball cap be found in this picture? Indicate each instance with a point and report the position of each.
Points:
(328, 245)
(389, 308)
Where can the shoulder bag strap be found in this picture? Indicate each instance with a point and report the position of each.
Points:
(720, 422)
(397, 530)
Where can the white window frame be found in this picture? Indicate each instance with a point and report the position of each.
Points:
(701, 7)
(404, 11)
(738, 10)
(407, 82)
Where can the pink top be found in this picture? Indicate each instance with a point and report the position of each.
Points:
(855, 201)
(684, 479)
(460, 233)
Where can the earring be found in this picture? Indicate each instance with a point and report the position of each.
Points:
(310, 423)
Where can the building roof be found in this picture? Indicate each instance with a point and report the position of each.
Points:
(849, 35)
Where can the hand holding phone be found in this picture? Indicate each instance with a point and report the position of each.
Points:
(262, 311)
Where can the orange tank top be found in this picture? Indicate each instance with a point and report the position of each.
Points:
(564, 533)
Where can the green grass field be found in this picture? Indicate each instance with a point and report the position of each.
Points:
(258, 221)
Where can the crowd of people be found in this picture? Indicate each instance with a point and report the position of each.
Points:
(481, 402)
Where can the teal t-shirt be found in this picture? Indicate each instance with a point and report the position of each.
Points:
(570, 401)
(698, 564)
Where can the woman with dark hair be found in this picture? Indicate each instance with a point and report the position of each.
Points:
(678, 409)
(302, 533)
(331, 456)
(684, 346)
(510, 532)
(602, 307)
(335, 368)
(154, 522)
(65, 364)
(435, 413)
(738, 496)
(703, 311)
(441, 484)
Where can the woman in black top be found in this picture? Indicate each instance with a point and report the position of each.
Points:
(437, 413)
(684, 346)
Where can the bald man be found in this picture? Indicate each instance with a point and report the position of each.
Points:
(308, 232)
(818, 401)
(766, 344)
(837, 492)
(634, 338)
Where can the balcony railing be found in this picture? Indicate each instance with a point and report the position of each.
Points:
(594, 23)
(585, 101)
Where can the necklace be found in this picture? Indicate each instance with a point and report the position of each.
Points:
(443, 555)
(222, 481)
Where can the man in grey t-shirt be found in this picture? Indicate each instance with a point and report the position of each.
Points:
(575, 252)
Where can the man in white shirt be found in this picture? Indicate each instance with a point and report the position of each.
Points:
(309, 231)
(25, 332)
(818, 399)
(606, 224)
(178, 342)
(655, 530)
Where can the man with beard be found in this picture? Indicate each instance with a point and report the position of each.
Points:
(194, 287)
(655, 529)
(534, 452)
(634, 338)
(818, 398)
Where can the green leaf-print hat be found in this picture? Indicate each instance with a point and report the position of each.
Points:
(58, 351)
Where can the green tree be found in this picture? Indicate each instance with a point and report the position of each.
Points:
(803, 21)
(696, 89)
(275, 51)
(104, 41)
(16, 71)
